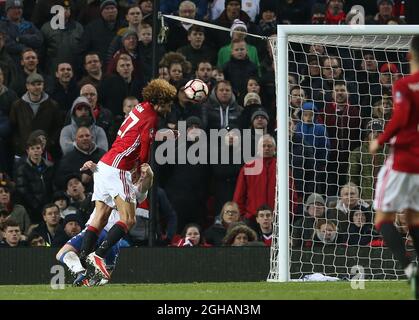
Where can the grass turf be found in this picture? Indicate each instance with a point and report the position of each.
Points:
(380, 290)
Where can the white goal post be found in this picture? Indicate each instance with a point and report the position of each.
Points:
(280, 249)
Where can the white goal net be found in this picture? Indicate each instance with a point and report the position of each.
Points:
(339, 97)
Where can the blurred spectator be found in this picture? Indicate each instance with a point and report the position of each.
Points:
(239, 69)
(183, 109)
(229, 213)
(29, 63)
(13, 211)
(385, 12)
(99, 33)
(164, 73)
(71, 227)
(129, 47)
(389, 74)
(178, 31)
(46, 155)
(257, 187)
(225, 171)
(114, 89)
(61, 199)
(82, 116)
(177, 66)
(34, 180)
(79, 198)
(239, 235)
(366, 76)
(252, 103)
(196, 50)
(145, 46)
(349, 199)
(7, 97)
(326, 232)
(314, 135)
(192, 237)
(93, 66)
(84, 150)
(65, 88)
(49, 227)
(11, 235)
(35, 110)
(318, 13)
(360, 231)
(382, 108)
(264, 219)
(7, 64)
(102, 116)
(268, 21)
(304, 226)
(185, 179)
(313, 75)
(221, 109)
(146, 7)
(204, 73)
(134, 18)
(20, 33)
(171, 6)
(252, 8)
(225, 53)
(217, 74)
(364, 167)
(36, 240)
(232, 11)
(342, 121)
(297, 99)
(307, 173)
(334, 12)
(62, 44)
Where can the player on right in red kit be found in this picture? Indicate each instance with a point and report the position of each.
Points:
(113, 182)
(398, 181)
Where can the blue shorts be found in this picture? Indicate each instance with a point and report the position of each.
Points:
(112, 256)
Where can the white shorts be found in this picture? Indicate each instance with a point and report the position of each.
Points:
(109, 182)
(396, 191)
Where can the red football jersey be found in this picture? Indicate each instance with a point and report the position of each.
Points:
(403, 129)
(134, 138)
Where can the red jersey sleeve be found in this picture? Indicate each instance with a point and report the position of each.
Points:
(401, 111)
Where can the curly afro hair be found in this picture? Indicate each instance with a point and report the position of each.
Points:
(159, 91)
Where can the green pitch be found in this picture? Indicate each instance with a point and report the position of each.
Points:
(394, 290)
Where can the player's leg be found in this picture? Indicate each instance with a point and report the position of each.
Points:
(413, 224)
(384, 223)
(92, 232)
(68, 256)
(117, 232)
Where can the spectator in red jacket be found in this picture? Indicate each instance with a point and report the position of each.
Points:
(192, 237)
(334, 12)
(256, 182)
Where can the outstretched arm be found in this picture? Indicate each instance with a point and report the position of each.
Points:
(144, 182)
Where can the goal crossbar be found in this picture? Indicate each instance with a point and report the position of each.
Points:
(282, 192)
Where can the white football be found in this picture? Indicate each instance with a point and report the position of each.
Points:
(196, 90)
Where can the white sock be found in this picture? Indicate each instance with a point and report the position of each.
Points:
(71, 259)
(409, 270)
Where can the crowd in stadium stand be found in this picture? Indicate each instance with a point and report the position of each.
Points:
(64, 92)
